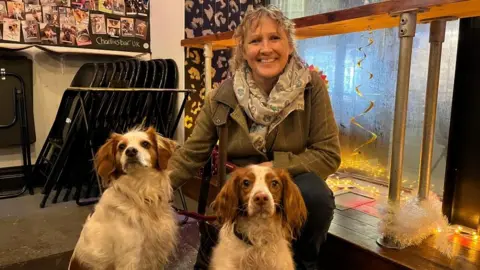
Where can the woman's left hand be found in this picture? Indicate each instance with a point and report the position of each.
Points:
(267, 164)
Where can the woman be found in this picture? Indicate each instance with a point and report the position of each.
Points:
(280, 115)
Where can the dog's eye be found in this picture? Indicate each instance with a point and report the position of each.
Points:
(275, 183)
(145, 144)
(122, 146)
(246, 183)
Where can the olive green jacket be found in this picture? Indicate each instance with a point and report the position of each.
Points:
(306, 141)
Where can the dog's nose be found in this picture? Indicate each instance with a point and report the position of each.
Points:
(260, 198)
(131, 152)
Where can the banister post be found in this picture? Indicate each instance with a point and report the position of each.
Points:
(406, 32)
(208, 54)
(437, 37)
(222, 144)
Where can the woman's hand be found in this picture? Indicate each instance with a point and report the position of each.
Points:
(267, 164)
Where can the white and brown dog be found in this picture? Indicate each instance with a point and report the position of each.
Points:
(261, 210)
(133, 225)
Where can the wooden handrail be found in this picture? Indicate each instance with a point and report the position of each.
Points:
(372, 16)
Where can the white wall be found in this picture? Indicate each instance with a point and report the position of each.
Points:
(52, 73)
(167, 21)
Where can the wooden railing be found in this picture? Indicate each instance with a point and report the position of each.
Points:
(357, 19)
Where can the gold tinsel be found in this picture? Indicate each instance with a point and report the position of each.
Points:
(353, 120)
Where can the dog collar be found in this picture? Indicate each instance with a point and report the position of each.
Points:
(241, 236)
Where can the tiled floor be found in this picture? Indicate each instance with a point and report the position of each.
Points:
(28, 232)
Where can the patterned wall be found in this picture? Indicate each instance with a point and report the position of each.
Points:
(204, 17)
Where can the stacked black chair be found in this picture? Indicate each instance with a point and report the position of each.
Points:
(105, 98)
(20, 118)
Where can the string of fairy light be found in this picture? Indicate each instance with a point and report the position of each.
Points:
(459, 230)
(336, 183)
(366, 167)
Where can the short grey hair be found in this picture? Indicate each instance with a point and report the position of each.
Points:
(252, 18)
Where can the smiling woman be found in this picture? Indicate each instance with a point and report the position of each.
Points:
(267, 51)
(279, 115)
(264, 46)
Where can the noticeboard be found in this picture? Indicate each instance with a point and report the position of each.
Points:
(120, 25)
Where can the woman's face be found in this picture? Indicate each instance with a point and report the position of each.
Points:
(266, 49)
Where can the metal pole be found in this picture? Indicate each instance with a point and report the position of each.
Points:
(406, 33)
(437, 37)
(208, 53)
(407, 28)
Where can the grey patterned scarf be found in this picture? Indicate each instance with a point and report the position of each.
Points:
(267, 112)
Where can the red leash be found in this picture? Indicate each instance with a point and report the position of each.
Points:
(195, 215)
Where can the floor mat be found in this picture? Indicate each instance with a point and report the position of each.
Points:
(350, 200)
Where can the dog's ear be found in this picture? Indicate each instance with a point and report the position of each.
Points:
(105, 160)
(294, 209)
(165, 147)
(226, 204)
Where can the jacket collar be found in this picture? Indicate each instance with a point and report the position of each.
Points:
(226, 95)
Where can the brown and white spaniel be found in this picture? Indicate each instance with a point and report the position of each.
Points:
(260, 210)
(133, 225)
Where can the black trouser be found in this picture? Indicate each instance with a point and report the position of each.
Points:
(320, 204)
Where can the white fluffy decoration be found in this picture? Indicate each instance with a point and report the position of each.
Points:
(412, 221)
